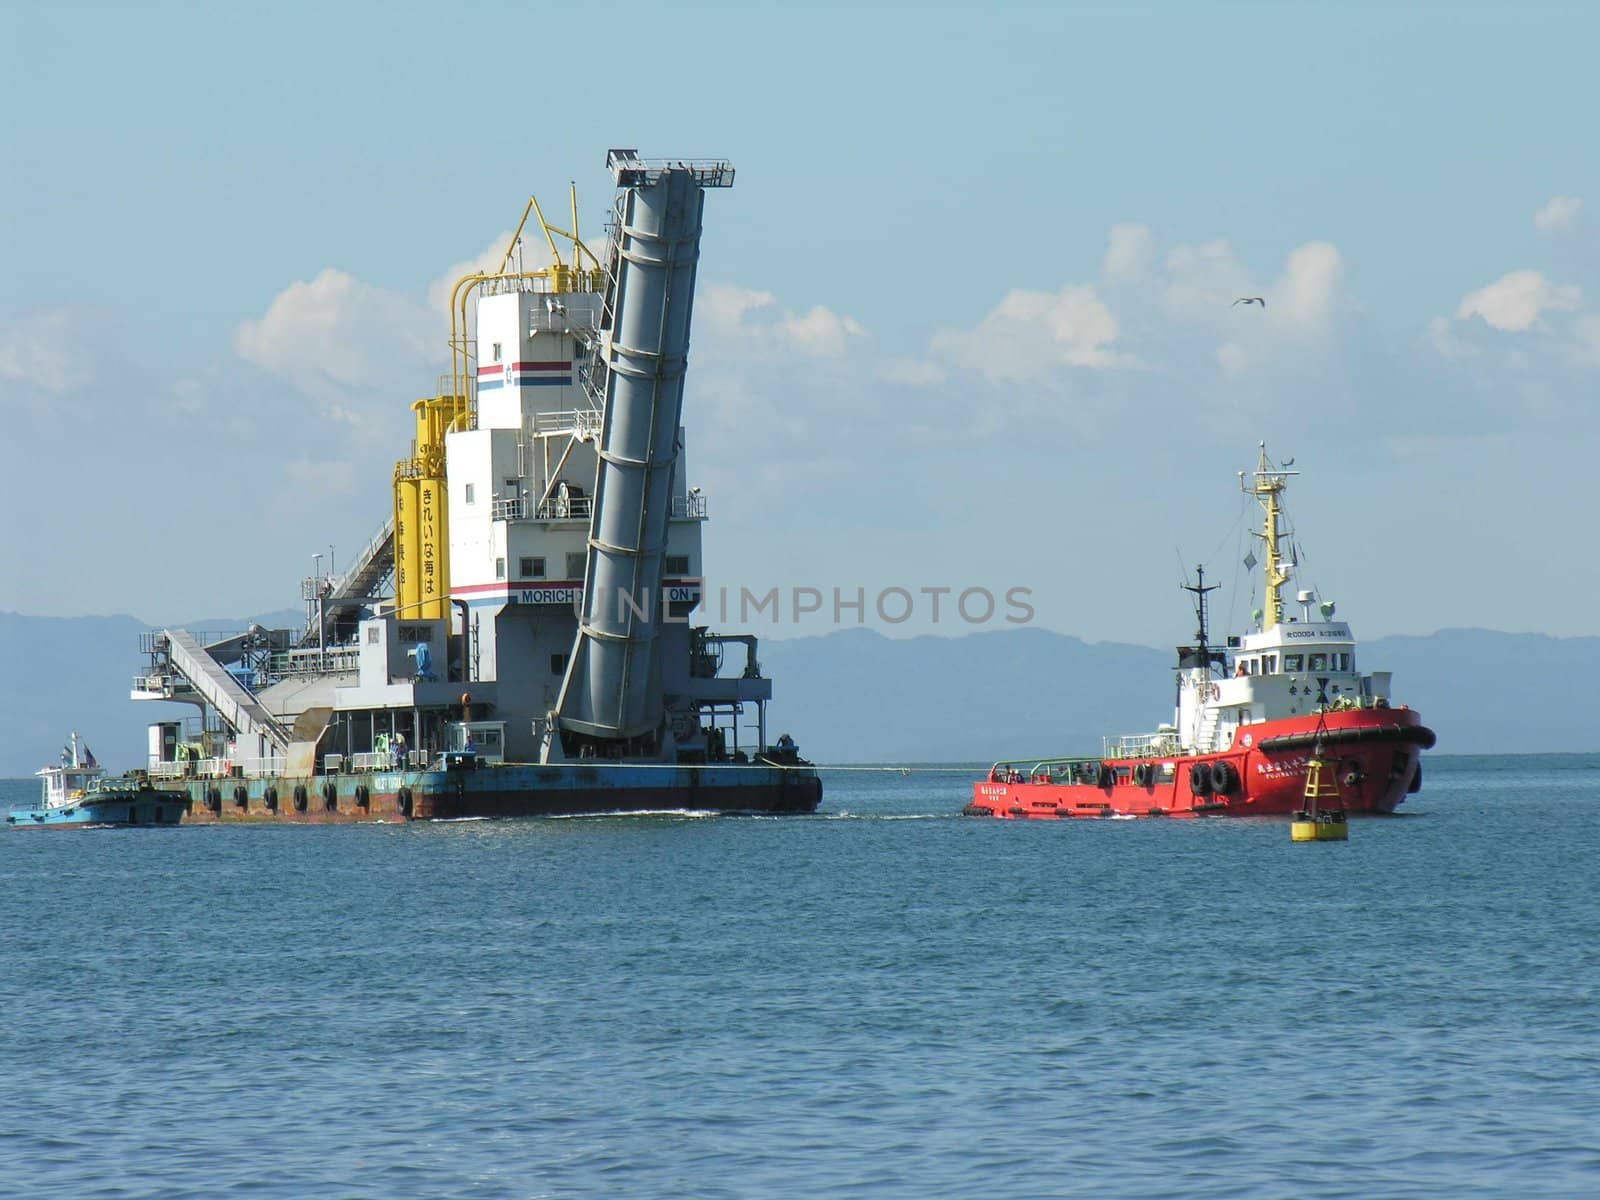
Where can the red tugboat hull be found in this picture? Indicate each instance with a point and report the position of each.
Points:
(1375, 752)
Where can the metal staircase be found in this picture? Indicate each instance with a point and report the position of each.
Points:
(360, 581)
(232, 701)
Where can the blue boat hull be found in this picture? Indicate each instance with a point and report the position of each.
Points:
(113, 808)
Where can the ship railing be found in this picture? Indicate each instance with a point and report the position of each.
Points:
(312, 661)
(157, 682)
(689, 508)
(581, 422)
(1043, 770)
(378, 760)
(168, 770)
(519, 508)
(1141, 745)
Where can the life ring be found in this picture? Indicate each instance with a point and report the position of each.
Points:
(299, 797)
(1216, 691)
(1223, 777)
(1200, 779)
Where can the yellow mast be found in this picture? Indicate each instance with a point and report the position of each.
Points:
(1267, 487)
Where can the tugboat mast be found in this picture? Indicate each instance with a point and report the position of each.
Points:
(1199, 589)
(1267, 486)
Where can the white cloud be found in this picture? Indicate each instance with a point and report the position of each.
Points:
(1308, 293)
(337, 330)
(1513, 303)
(1130, 250)
(821, 332)
(43, 350)
(1443, 338)
(734, 322)
(723, 306)
(534, 256)
(1032, 334)
(1559, 215)
(1203, 281)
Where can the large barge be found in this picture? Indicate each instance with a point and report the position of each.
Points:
(518, 637)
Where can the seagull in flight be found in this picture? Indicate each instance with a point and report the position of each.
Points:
(1248, 300)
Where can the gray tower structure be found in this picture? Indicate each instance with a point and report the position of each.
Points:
(612, 690)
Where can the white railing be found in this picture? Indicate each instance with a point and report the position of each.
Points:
(580, 422)
(1141, 745)
(689, 508)
(518, 508)
(312, 661)
(381, 760)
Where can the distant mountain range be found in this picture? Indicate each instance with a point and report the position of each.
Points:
(856, 696)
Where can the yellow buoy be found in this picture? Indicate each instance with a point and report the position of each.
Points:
(1324, 827)
(1313, 823)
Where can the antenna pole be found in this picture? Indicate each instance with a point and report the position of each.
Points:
(1199, 590)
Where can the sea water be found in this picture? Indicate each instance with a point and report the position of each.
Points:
(883, 1000)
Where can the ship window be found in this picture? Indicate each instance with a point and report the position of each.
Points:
(1293, 662)
(558, 664)
(677, 564)
(1344, 662)
(1269, 664)
(470, 499)
(497, 352)
(499, 568)
(372, 635)
(575, 565)
(532, 568)
(1319, 662)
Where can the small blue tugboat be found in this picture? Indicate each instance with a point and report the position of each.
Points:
(76, 793)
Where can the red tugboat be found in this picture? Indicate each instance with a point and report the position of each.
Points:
(1249, 717)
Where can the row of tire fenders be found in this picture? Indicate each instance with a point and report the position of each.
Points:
(301, 798)
(1217, 778)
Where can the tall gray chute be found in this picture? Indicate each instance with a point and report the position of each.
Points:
(612, 688)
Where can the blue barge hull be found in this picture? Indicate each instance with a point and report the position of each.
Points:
(510, 790)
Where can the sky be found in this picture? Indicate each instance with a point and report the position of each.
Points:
(965, 320)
